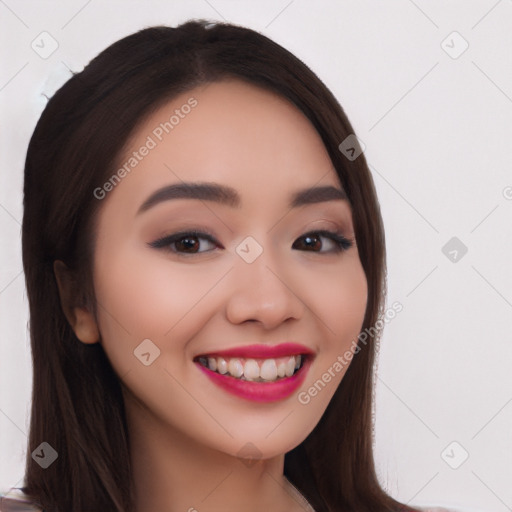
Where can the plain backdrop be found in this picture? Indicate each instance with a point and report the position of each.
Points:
(427, 86)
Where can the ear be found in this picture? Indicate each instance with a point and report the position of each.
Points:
(79, 317)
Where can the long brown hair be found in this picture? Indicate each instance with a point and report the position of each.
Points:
(77, 404)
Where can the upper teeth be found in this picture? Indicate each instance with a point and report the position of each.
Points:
(253, 369)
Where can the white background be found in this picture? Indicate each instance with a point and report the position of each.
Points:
(437, 135)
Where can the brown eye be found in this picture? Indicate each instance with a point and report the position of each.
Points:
(188, 242)
(312, 242)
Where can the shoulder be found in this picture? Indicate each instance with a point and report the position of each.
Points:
(15, 500)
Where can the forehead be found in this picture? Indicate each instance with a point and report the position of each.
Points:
(228, 132)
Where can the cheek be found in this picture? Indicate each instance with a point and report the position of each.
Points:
(342, 306)
(341, 299)
(141, 297)
(132, 296)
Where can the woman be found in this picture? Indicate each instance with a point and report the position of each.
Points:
(200, 259)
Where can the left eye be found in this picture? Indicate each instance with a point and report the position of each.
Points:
(313, 240)
(188, 242)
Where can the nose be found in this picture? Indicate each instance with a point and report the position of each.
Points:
(263, 291)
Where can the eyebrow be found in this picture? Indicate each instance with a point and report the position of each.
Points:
(229, 196)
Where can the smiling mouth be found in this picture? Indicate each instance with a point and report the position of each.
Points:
(254, 369)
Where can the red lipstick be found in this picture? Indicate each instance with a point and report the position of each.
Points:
(271, 391)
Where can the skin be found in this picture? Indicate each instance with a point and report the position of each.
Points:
(185, 432)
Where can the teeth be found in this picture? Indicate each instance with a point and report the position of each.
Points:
(281, 369)
(251, 370)
(290, 367)
(235, 368)
(269, 371)
(222, 366)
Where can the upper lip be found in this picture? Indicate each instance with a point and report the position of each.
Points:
(263, 351)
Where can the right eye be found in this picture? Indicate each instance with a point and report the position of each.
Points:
(184, 242)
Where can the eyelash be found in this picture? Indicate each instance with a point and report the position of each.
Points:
(342, 243)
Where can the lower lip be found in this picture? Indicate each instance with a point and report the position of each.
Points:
(259, 391)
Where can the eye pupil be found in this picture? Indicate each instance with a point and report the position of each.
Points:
(311, 239)
(187, 243)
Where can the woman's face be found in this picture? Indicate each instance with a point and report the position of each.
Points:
(250, 278)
